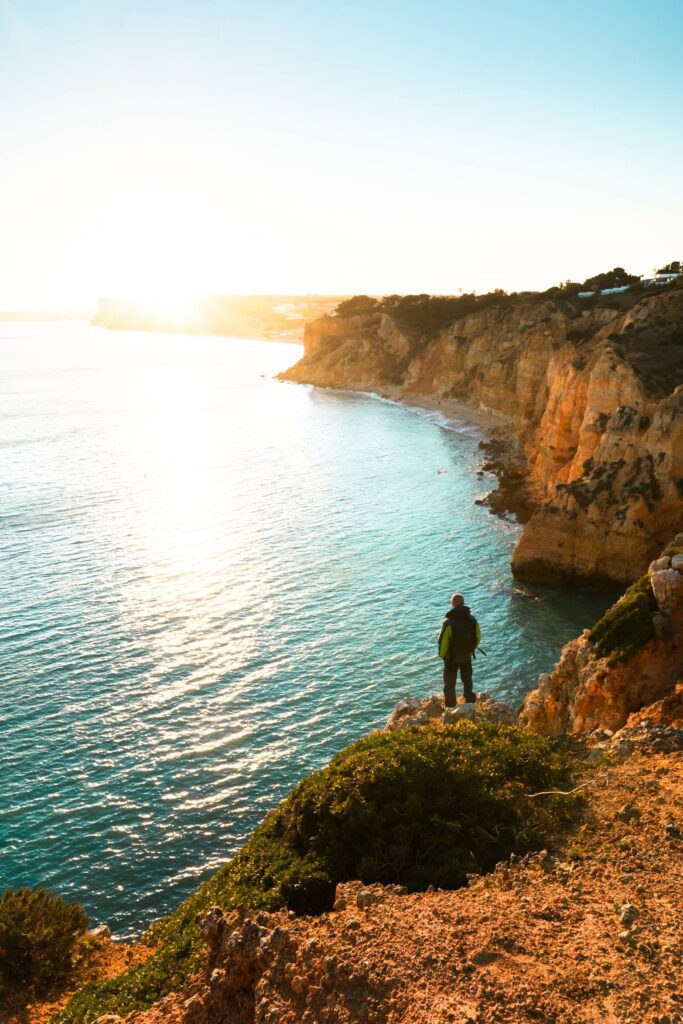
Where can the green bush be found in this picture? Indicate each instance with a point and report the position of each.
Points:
(627, 626)
(38, 933)
(357, 306)
(416, 807)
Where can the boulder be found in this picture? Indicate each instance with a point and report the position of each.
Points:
(677, 562)
(485, 709)
(194, 1010)
(464, 711)
(408, 704)
(102, 931)
(667, 586)
(404, 713)
(433, 706)
(660, 564)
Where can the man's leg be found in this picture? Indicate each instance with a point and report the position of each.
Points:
(450, 674)
(466, 676)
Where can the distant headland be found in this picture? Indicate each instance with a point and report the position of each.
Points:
(255, 316)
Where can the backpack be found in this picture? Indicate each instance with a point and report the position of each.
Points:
(463, 638)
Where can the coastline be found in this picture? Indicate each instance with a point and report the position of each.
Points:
(453, 410)
(501, 453)
(502, 456)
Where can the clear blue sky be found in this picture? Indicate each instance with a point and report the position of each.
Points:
(185, 147)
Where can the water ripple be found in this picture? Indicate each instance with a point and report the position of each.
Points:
(211, 582)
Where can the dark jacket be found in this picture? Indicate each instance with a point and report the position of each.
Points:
(459, 636)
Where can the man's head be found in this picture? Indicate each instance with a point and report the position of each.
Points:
(457, 600)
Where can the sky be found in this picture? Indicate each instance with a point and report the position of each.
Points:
(191, 147)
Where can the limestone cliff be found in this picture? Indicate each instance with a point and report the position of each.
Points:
(592, 393)
(631, 659)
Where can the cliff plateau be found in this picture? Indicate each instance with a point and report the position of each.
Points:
(593, 395)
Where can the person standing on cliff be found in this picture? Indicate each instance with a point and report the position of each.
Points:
(458, 640)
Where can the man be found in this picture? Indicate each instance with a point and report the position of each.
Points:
(458, 640)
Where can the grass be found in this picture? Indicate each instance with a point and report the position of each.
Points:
(627, 626)
(415, 807)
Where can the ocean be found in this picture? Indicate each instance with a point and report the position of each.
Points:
(211, 582)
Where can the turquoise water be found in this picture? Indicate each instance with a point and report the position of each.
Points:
(211, 582)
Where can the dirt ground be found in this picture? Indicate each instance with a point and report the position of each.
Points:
(591, 933)
(98, 960)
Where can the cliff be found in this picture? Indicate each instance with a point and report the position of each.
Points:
(586, 931)
(593, 395)
(630, 660)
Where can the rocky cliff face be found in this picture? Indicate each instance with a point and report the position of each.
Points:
(631, 659)
(594, 398)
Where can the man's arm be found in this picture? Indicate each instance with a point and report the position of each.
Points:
(477, 634)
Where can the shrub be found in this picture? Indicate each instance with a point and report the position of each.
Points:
(38, 932)
(417, 807)
(627, 626)
(357, 305)
(615, 278)
(427, 314)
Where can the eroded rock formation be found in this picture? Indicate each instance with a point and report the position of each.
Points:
(594, 398)
(630, 661)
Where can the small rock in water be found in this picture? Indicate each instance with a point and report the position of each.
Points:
(102, 931)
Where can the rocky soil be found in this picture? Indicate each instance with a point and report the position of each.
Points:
(99, 959)
(589, 932)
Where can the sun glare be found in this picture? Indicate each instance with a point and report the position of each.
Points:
(169, 307)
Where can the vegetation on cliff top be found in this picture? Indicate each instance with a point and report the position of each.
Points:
(415, 807)
(38, 935)
(627, 626)
(430, 313)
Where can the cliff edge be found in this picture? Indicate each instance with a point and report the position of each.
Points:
(594, 395)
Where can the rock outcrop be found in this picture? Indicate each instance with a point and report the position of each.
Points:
(630, 660)
(412, 711)
(594, 397)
